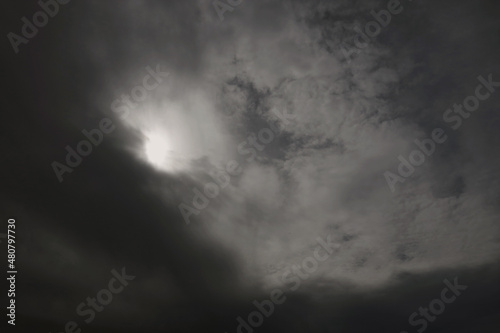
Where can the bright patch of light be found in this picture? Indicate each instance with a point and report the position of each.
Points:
(156, 149)
(177, 133)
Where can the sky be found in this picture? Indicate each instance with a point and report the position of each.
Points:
(215, 150)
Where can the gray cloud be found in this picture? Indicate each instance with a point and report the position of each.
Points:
(322, 173)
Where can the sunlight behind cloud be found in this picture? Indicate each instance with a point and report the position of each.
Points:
(156, 149)
(178, 130)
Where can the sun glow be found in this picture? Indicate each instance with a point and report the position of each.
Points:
(176, 134)
(156, 149)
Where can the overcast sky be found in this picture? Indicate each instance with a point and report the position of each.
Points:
(299, 120)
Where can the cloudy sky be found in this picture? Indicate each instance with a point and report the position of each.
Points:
(232, 140)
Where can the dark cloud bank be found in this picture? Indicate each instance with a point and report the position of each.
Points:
(322, 174)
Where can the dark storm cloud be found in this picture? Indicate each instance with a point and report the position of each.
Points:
(351, 122)
(104, 215)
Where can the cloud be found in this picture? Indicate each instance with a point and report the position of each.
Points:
(322, 173)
